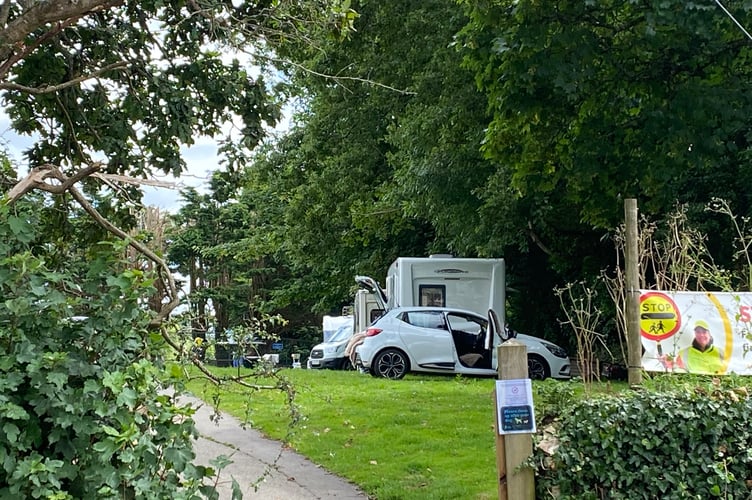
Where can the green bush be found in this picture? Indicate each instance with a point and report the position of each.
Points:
(552, 398)
(83, 410)
(645, 444)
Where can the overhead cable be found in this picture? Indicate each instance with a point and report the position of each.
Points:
(733, 19)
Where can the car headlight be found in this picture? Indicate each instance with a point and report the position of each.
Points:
(555, 349)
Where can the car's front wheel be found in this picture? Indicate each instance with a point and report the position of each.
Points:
(537, 368)
(391, 363)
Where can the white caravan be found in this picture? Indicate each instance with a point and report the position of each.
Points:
(442, 280)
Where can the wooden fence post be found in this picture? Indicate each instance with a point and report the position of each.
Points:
(516, 482)
(632, 282)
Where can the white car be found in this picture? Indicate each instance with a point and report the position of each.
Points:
(447, 340)
(331, 354)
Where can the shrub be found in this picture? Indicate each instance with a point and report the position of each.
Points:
(83, 410)
(644, 444)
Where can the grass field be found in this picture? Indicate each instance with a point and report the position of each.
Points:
(423, 437)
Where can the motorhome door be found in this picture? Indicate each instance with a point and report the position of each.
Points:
(372, 286)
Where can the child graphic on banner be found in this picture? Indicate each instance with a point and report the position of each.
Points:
(701, 357)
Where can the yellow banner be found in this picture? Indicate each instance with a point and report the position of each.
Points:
(696, 332)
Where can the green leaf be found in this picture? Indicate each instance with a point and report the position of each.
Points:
(13, 411)
(20, 228)
(110, 431)
(59, 380)
(179, 458)
(127, 397)
(107, 448)
(11, 432)
(237, 492)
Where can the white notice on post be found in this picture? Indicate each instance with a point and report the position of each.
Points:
(514, 401)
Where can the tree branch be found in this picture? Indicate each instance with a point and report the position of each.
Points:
(135, 181)
(25, 50)
(339, 79)
(4, 12)
(165, 273)
(534, 236)
(37, 179)
(46, 89)
(44, 12)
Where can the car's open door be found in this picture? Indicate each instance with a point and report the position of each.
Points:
(496, 331)
(492, 330)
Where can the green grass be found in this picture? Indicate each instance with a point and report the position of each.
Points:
(423, 437)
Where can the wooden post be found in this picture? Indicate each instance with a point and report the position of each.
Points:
(515, 481)
(632, 282)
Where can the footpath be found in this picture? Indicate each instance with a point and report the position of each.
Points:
(264, 469)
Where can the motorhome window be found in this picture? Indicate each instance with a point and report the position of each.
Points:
(426, 319)
(376, 314)
(432, 295)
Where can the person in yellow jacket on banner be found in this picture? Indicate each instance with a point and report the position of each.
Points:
(701, 357)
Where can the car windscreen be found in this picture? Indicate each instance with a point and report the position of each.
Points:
(344, 332)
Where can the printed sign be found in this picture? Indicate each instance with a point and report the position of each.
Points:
(517, 418)
(659, 316)
(514, 399)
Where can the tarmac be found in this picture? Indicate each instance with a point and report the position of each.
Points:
(264, 468)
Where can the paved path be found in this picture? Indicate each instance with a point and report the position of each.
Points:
(283, 474)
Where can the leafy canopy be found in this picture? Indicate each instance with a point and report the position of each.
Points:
(594, 102)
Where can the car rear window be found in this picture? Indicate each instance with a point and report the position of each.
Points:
(425, 319)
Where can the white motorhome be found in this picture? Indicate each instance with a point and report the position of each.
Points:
(368, 309)
(442, 280)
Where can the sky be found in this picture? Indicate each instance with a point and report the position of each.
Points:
(201, 160)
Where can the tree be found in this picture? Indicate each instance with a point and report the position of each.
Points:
(110, 91)
(81, 412)
(209, 244)
(349, 211)
(596, 102)
(387, 151)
